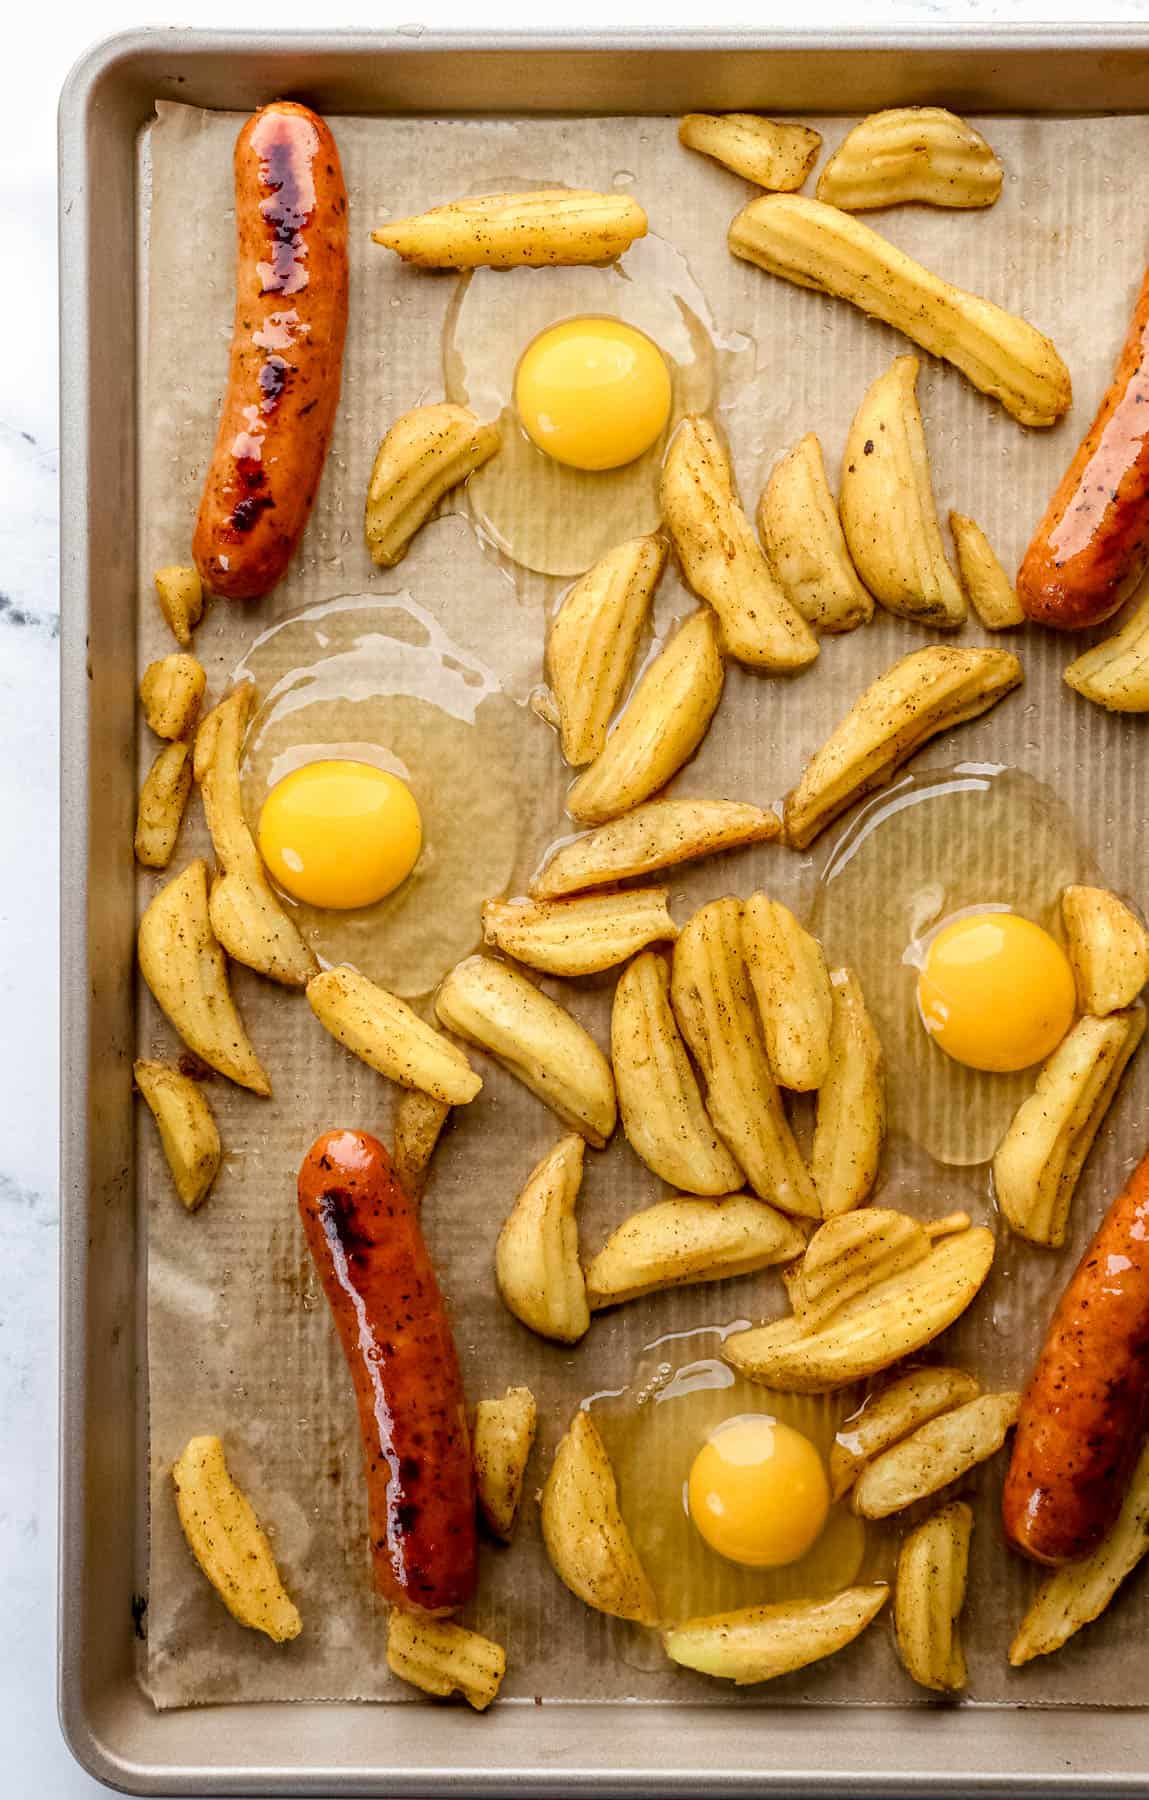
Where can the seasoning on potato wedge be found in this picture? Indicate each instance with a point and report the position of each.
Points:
(850, 1124)
(818, 246)
(179, 593)
(652, 837)
(885, 1418)
(546, 228)
(170, 692)
(771, 152)
(759, 1643)
(534, 1037)
(933, 1455)
(229, 1544)
(163, 798)
(1108, 947)
(442, 1658)
(805, 546)
(926, 692)
(186, 1127)
(581, 936)
(501, 1439)
(929, 1593)
(1037, 1163)
(589, 1546)
(911, 153)
(537, 1268)
(1115, 673)
(991, 593)
(384, 1032)
(792, 989)
(424, 455)
(419, 1121)
(593, 639)
(681, 1241)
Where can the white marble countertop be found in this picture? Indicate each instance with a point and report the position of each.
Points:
(41, 44)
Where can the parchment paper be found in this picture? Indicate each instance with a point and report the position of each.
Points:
(240, 1342)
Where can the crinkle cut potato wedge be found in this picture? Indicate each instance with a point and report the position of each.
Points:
(186, 971)
(537, 1268)
(907, 154)
(853, 1252)
(581, 936)
(1077, 1594)
(652, 837)
(1108, 948)
(938, 1452)
(817, 246)
(850, 1123)
(924, 693)
(442, 1658)
(593, 639)
(660, 728)
(229, 1544)
(546, 228)
(760, 1643)
(589, 1546)
(179, 595)
(805, 546)
(773, 153)
(991, 593)
(890, 1415)
(1037, 1163)
(792, 989)
(929, 1593)
(1115, 673)
(388, 1036)
(714, 1005)
(163, 799)
(170, 693)
(419, 1121)
(424, 455)
(186, 1127)
(663, 1116)
(721, 558)
(501, 1438)
(246, 914)
(680, 1241)
(887, 504)
(534, 1037)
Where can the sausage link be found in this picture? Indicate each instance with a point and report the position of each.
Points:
(286, 351)
(1092, 546)
(363, 1234)
(1086, 1409)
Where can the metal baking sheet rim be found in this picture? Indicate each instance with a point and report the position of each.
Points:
(360, 1750)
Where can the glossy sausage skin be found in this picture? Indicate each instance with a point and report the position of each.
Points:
(1093, 543)
(363, 1234)
(286, 351)
(1086, 1409)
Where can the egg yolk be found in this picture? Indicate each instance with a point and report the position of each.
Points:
(758, 1492)
(593, 393)
(340, 834)
(996, 992)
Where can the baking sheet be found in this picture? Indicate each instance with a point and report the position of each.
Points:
(239, 1340)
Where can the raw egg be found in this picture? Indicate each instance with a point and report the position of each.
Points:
(758, 1492)
(593, 393)
(340, 834)
(996, 991)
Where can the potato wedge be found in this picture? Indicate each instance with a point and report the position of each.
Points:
(666, 1123)
(578, 937)
(761, 1642)
(229, 1544)
(179, 592)
(546, 228)
(534, 1037)
(170, 693)
(926, 692)
(1108, 947)
(537, 1268)
(854, 1252)
(163, 798)
(887, 504)
(1079, 1593)
(424, 455)
(937, 1453)
(385, 1033)
(246, 914)
(792, 988)
(186, 1126)
(850, 1126)
(655, 836)
(886, 1417)
(907, 154)
(714, 1005)
(771, 152)
(662, 725)
(681, 1241)
(721, 558)
(501, 1439)
(805, 546)
(186, 971)
(1037, 1163)
(419, 1119)
(875, 1327)
(1115, 673)
(593, 639)
(589, 1546)
(442, 1658)
(817, 246)
(929, 1593)
(991, 593)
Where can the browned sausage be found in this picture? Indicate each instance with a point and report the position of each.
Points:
(364, 1236)
(1086, 1409)
(286, 351)
(1093, 543)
